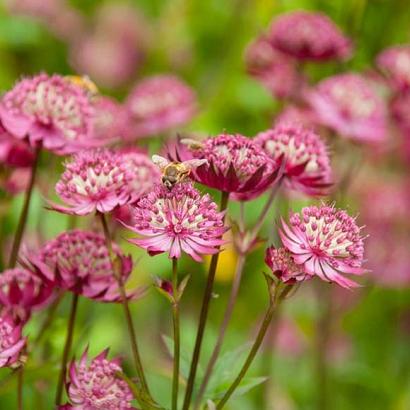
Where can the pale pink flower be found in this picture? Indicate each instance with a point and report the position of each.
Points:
(349, 105)
(79, 261)
(307, 165)
(309, 36)
(297, 114)
(49, 110)
(159, 103)
(12, 342)
(178, 220)
(400, 112)
(327, 242)
(94, 385)
(16, 181)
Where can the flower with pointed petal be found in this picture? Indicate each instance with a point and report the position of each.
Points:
(11, 341)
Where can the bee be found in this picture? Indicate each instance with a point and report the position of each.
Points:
(84, 82)
(175, 172)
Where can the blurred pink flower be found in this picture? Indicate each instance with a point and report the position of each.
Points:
(11, 341)
(327, 242)
(306, 157)
(21, 291)
(96, 386)
(309, 36)
(48, 110)
(79, 261)
(395, 63)
(159, 103)
(178, 220)
(236, 165)
(13, 152)
(16, 181)
(275, 70)
(95, 181)
(289, 339)
(349, 105)
(400, 112)
(296, 114)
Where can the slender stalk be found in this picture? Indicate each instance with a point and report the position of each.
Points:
(124, 299)
(20, 376)
(203, 316)
(24, 212)
(67, 348)
(222, 330)
(177, 343)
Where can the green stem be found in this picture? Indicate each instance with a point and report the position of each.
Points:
(20, 377)
(177, 343)
(24, 212)
(67, 348)
(203, 316)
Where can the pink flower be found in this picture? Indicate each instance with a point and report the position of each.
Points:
(296, 114)
(16, 181)
(236, 164)
(11, 341)
(350, 106)
(400, 112)
(13, 152)
(284, 267)
(395, 63)
(95, 181)
(96, 386)
(275, 70)
(306, 157)
(178, 220)
(21, 291)
(309, 36)
(48, 110)
(79, 261)
(327, 242)
(159, 103)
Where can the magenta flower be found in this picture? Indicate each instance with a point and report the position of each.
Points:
(178, 220)
(395, 63)
(159, 103)
(96, 386)
(309, 36)
(236, 165)
(327, 242)
(79, 261)
(284, 267)
(11, 341)
(94, 181)
(49, 110)
(306, 157)
(349, 105)
(13, 152)
(21, 291)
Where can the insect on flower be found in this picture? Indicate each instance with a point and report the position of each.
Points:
(176, 172)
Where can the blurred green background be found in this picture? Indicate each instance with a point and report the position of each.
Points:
(203, 42)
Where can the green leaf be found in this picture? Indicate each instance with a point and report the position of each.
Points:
(247, 384)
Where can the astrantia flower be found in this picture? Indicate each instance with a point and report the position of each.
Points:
(13, 152)
(296, 114)
(395, 63)
(327, 242)
(94, 181)
(178, 220)
(159, 103)
(11, 341)
(79, 261)
(309, 36)
(50, 110)
(21, 291)
(96, 386)
(236, 165)
(283, 266)
(350, 106)
(307, 166)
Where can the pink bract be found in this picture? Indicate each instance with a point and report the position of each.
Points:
(178, 220)
(11, 341)
(327, 242)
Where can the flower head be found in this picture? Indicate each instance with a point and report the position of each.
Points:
(159, 103)
(327, 242)
(236, 164)
(11, 341)
(309, 36)
(178, 220)
(283, 266)
(49, 110)
(307, 164)
(79, 261)
(96, 386)
(98, 180)
(350, 106)
(21, 291)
